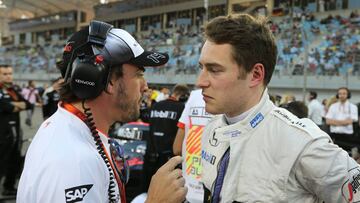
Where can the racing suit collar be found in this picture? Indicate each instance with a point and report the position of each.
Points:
(250, 122)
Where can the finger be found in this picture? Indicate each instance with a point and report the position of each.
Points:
(180, 182)
(181, 194)
(172, 163)
(175, 174)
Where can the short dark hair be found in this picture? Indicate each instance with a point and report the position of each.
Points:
(180, 89)
(5, 65)
(298, 108)
(344, 88)
(313, 94)
(251, 40)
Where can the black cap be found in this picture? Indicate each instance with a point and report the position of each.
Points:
(120, 47)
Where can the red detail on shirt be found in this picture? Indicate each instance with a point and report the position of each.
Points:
(350, 192)
(72, 109)
(67, 48)
(99, 59)
(181, 125)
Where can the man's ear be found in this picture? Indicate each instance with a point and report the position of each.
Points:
(110, 87)
(257, 75)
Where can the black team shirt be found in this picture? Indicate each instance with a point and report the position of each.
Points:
(164, 117)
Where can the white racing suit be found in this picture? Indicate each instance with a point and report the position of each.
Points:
(277, 157)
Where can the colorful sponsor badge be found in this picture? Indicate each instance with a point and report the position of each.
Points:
(193, 151)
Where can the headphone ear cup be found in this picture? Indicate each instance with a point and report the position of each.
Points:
(349, 95)
(87, 78)
(337, 96)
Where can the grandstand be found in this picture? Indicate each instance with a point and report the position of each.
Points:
(318, 40)
(318, 44)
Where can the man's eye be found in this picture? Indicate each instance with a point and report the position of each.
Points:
(214, 70)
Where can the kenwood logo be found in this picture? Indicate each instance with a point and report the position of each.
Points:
(85, 82)
(76, 194)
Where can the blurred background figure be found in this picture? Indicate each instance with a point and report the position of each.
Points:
(316, 109)
(298, 108)
(163, 119)
(31, 94)
(51, 98)
(355, 154)
(163, 94)
(11, 103)
(287, 98)
(341, 116)
(146, 104)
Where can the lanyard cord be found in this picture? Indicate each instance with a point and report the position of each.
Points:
(87, 118)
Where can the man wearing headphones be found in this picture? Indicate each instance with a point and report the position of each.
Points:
(71, 158)
(342, 114)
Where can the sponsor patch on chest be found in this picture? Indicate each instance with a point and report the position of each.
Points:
(232, 133)
(256, 120)
(77, 194)
(208, 157)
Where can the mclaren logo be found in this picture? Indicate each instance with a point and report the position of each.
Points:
(156, 57)
(84, 82)
(76, 194)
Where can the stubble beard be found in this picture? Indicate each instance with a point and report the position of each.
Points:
(130, 109)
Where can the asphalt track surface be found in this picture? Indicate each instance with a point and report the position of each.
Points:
(28, 134)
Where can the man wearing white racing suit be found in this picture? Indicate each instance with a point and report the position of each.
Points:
(257, 152)
(277, 158)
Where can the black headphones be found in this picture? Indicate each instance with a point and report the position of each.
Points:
(347, 90)
(89, 75)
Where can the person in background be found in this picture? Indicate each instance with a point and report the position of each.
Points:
(188, 144)
(255, 151)
(342, 114)
(297, 108)
(316, 109)
(287, 98)
(163, 94)
(31, 94)
(163, 119)
(11, 103)
(71, 158)
(146, 103)
(51, 98)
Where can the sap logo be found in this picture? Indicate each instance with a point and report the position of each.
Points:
(76, 194)
(208, 157)
(255, 121)
(84, 82)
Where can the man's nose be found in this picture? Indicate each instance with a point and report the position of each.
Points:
(202, 80)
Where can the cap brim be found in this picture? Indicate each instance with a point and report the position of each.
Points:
(150, 59)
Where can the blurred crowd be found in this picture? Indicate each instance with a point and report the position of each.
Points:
(333, 47)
